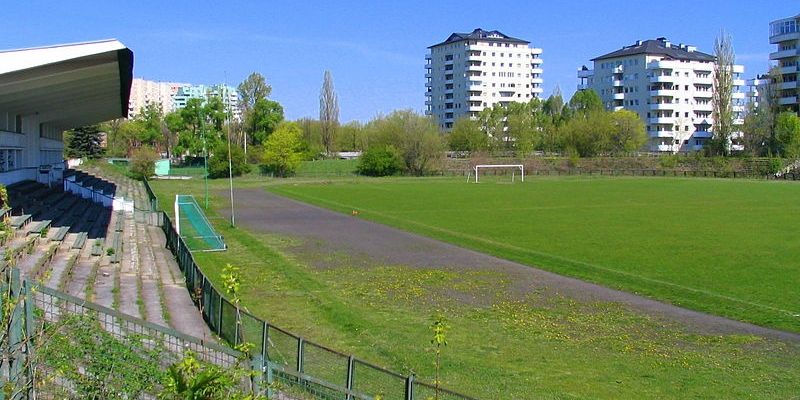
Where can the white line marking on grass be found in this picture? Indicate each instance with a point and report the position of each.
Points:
(534, 252)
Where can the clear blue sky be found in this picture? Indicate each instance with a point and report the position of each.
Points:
(374, 49)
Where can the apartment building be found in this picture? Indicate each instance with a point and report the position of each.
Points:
(229, 95)
(785, 34)
(756, 88)
(144, 92)
(471, 71)
(669, 85)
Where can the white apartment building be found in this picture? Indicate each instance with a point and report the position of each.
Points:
(144, 92)
(228, 94)
(669, 85)
(472, 71)
(755, 90)
(785, 34)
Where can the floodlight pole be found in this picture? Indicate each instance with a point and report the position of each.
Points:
(230, 159)
(205, 151)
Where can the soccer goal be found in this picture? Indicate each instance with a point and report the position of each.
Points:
(514, 167)
(193, 226)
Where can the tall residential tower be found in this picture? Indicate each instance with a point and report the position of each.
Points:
(472, 71)
(669, 85)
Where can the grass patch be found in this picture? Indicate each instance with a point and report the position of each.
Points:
(500, 346)
(719, 246)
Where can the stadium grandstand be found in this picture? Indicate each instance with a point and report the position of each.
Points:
(84, 232)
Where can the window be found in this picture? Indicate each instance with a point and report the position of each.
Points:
(18, 123)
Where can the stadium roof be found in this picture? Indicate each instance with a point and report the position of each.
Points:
(480, 34)
(660, 46)
(67, 85)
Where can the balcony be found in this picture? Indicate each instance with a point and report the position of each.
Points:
(583, 86)
(428, 75)
(789, 85)
(784, 37)
(619, 96)
(662, 93)
(475, 85)
(790, 69)
(537, 80)
(618, 69)
(617, 108)
(428, 84)
(473, 68)
(738, 69)
(428, 56)
(738, 82)
(784, 54)
(662, 64)
(665, 147)
(707, 81)
(660, 134)
(703, 107)
(475, 108)
(536, 62)
(737, 95)
(703, 94)
(662, 106)
(537, 71)
(704, 67)
(585, 73)
(787, 100)
(428, 102)
(616, 83)
(662, 78)
(536, 51)
(702, 134)
(661, 120)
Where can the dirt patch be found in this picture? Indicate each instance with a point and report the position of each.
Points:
(345, 238)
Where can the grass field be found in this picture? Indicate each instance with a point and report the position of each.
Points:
(533, 348)
(721, 246)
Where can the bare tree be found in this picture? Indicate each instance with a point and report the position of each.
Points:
(723, 94)
(328, 113)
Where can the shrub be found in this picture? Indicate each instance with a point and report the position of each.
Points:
(380, 161)
(218, 162)
(143, 162)
(283, 150)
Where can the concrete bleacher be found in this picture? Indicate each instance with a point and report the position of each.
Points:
(78, 242)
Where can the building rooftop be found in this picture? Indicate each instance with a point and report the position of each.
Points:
(660, 46)
(480, 34)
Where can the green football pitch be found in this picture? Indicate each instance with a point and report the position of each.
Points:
(727, 247)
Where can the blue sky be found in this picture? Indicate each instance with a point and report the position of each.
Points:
(374, 49)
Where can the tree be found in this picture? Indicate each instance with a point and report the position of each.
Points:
(588, 135)
(381, 160)
(265, 117)
(143, 162)
(251, 90)
(283, 150)
(351, 137)
(416, 137)
(84, 142)
(585, 102)
(628, 132)
(787, 134)
(467, 136)
(218, 162)
(328, 113)
(722, 99)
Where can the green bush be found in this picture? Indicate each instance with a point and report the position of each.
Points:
(774, 166)
(143, 162)
(380, 161)
(218, 162)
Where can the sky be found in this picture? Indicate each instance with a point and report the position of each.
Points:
(375, 50)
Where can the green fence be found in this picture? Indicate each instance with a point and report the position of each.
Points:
(292, 363)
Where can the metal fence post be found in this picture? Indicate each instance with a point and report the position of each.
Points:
(300, 354)
(219, 317)
(410, 388)
(28, 337)
(257, 365)
(264, 339)
(350, 367)
(270, 379)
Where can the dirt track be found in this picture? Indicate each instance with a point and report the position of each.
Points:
(368, 242)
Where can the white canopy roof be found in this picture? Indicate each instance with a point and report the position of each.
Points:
(67, 85)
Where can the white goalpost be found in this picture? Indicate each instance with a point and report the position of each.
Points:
(476, 169)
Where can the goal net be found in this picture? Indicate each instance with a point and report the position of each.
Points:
(193, 226)
(513, 167)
